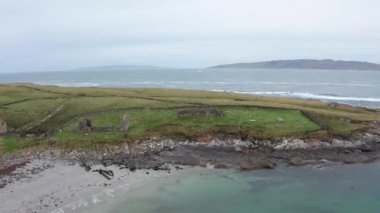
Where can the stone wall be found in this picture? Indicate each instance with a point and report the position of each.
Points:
(200, 112)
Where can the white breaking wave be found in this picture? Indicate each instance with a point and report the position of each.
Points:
(157, 82)
(310, 96)
(83, 84)
(304, 95)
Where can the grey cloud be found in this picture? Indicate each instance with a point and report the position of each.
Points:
(45, 34)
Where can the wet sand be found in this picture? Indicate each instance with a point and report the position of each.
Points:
(59, 186)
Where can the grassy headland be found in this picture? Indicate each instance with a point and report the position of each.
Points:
(29, 108)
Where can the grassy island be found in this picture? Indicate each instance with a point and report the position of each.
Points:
(37, 115)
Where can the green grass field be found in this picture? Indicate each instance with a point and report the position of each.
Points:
(152, 112)
(147, 121)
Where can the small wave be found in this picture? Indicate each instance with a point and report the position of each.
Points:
(311, 96)
(100, 83)
(271, 83)
(71, 84)
(311, 83)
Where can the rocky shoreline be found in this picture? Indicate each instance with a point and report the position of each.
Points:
(228, 152)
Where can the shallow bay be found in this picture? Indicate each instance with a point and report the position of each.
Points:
(338, 188)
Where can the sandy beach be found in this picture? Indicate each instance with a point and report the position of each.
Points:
(61, 186)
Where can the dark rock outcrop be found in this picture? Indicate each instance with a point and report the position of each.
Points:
(220, 166)
(260, 164)
(108, 174)
(296, 161)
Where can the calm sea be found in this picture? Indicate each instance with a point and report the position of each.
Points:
(360, 88)
(338, 189)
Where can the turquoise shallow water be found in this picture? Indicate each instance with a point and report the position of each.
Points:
(350, 188)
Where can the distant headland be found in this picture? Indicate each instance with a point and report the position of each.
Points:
(305, 64)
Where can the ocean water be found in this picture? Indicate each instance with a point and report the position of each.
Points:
(361, 88)
(337, 189)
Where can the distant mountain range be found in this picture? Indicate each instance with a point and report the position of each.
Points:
(304, 64)
(275, 64)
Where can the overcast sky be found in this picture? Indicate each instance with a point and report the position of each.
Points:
(65, 34)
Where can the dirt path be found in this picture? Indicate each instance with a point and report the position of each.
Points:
(37, 123)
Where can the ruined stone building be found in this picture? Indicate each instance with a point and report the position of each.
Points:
(3, 127)
(85, 126)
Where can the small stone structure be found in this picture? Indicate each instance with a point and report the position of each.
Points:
(124, 123)
(200, 112)
(85, 126)
(3, 127)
